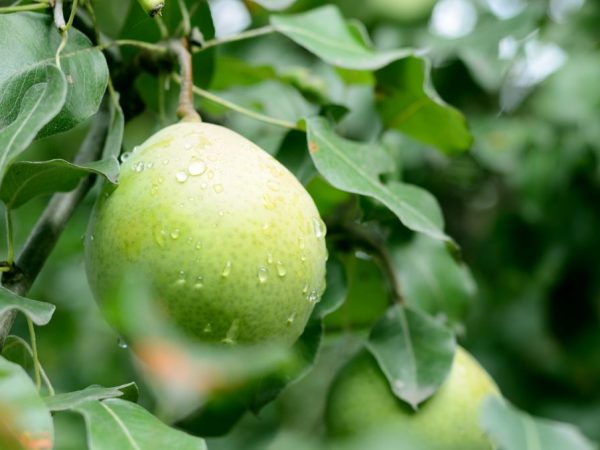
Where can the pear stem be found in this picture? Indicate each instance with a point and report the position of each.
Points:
(185, 110)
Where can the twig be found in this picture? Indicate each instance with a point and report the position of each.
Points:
(364, 239)
(235, 107)
(235, 37)
(19, 8)
(185, 18)
(59, 20)
(50, 225)
(185, 110)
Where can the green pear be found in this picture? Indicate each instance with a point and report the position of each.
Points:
(361, 400)
(232, 243)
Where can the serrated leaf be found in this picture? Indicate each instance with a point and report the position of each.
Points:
(23, 414)
(324, 32)
(432, 280)
(356, 168)
(118, 424)
(28, 44)
(40, 313)
(70, 400)
(42, 94)
(511, 429)
(25, 180)
(274, 5)
(414, 351)
(407, 102)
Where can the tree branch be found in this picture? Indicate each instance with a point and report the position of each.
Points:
(52, 222)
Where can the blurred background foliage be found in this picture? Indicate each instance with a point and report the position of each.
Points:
(523, 204)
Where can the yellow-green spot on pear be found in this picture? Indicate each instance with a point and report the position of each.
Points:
(205, 221)
(361, 400)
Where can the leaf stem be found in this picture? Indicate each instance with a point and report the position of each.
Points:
(234, 38)
(19, 8)
(10, 240)
(185, 18)
(185, 110)
(27, 347)
(154, 48)
(64, 28)
(240, 109)
(36, 361)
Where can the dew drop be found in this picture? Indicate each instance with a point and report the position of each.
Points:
(181, 280)
(232, 333)
(181, 176)
(187, 146)
(281, 269)
(305, 289)
(301, 243)
(175, 233)
(121, 343)
(210, 174)
(139, 167)
(303, 257)
(273, 185)
(226, 270)
(198, 245)
(269, 258)
(199, 284)
(150, 165)
(207, 328)
(266, 228)
(221, 213)
(160, 237)
(313, 297)
(125, 156)
(160, 180)
(319, 227)
(291, 319)
(196, 168)
(268, 202)
(218, 188)
(263, 275)
(92, 237)
(165, 162)
(204, 185)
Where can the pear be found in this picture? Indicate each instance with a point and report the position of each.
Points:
(231, 242)
(361, 401)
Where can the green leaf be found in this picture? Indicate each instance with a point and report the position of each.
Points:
(25, 180)
(337, 289)
(23, 413)
(118, 424)
(432, 280)
(71, 400)
(414, 351)
(41, 95)
(274, 5)
(28, 44)
(324, 32)
(408, 103)
(114, 136)
(40, 313)
(512, 429)
(356, 168)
